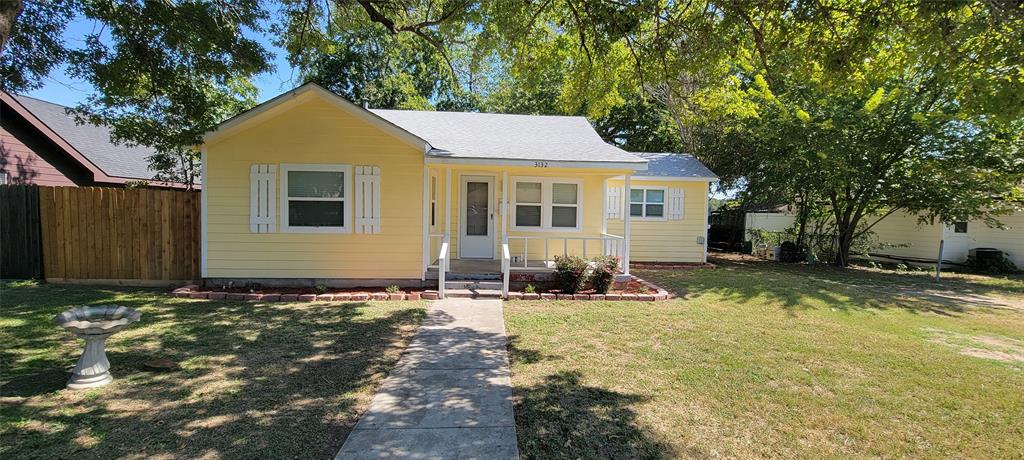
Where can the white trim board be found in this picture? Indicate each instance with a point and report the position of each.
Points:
(670, 178)
(203, 214)
(540, 164)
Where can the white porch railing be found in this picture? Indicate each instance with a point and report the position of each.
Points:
(611, 245)
(442, 267)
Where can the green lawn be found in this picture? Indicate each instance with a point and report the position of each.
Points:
(256, 380)
(767, 360)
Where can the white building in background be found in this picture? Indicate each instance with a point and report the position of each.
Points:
(921, 241)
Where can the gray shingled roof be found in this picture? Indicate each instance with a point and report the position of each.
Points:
(501, 136)
(667, 164)
(92, 141)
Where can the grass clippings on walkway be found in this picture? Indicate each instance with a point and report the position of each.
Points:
(766, 360)
(256, 380)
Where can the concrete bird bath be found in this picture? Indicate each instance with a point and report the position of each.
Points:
(94, 325)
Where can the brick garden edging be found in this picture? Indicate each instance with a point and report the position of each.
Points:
(193, 292)
(659, 295)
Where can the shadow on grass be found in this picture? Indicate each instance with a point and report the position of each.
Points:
(561, 418)
(256, 380)
(799, 286)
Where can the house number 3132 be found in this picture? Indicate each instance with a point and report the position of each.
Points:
(540, 164)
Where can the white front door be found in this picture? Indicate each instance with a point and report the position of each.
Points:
(476, 235)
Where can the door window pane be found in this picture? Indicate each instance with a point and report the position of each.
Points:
(527, 216)
(563, 216)
(563, 193)
(655, 196)
(655, 210)
(476, 208)
(318, 184)
(528, 192)
(316, 213)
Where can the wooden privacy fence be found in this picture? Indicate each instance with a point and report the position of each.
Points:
(122, 236)
(20, 246)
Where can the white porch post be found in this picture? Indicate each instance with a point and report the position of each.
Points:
(504, 206)
(448, 205)
(426, 222)
(626, 219)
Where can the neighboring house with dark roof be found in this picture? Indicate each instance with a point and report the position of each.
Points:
(40, 143)
(310, 188)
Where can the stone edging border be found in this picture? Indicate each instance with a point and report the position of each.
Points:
(193, 292)
(659, 295)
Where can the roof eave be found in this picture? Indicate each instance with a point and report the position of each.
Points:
(538, 163)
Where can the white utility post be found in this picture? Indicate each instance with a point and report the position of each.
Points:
(447, 206)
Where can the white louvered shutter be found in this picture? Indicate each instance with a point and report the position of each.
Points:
(367, 199)
(675, 203)
(262, 198)
(614, 203)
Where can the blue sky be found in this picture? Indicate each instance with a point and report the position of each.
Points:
(62, 89)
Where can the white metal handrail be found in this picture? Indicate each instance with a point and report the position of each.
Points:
(506, 267)
(442, 264)
(440, 237)
(611, 245)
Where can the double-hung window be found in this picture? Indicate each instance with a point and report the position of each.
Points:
(647, 202)
(315, 198)
(546, 204)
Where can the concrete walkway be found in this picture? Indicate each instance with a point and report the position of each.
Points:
(450, 395)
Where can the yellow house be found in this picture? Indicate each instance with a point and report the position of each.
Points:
(310, 188)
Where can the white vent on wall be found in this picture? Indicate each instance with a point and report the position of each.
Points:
(262, 198)
(367, 206)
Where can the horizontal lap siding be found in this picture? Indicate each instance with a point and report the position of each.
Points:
(313, 132)
(919, 240)
(1009, 240)
(668, 240)
(23, 165)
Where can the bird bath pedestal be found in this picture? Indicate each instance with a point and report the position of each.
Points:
(94, 325)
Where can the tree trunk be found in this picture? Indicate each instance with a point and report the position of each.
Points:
(844, 239)
(9, 12)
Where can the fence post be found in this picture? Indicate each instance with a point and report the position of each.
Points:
(938, 262)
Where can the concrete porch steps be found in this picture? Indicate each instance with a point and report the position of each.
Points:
(473, 293)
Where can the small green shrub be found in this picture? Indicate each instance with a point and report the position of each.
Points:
(393, 289)
(530, 289)
(570, 273)
(992, 266)
(320, 288)
(605, 268)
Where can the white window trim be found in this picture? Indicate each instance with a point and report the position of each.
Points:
(546, 204)
(285, 168)
(645, 188)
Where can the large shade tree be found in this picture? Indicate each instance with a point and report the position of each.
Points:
(861, 108)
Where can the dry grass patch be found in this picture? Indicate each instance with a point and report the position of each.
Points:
(256, 380)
